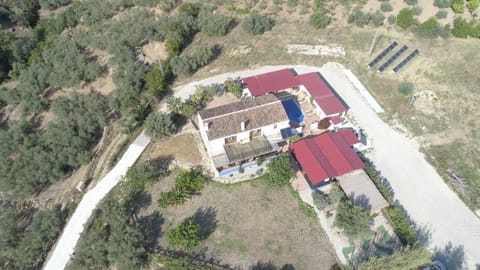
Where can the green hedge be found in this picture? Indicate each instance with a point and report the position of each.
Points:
(400, 224)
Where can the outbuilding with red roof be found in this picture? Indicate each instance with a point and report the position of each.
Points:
(326, 156)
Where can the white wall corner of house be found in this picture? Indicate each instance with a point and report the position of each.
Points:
(246, 92)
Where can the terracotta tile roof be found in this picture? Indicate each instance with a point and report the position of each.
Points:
(257, 112)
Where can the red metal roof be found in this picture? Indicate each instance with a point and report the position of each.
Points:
(282, 79)
(322, 93)
(325, 156)
(336, 120)
(349, 136)
(315, 85)
(271, 82)
(330, 105)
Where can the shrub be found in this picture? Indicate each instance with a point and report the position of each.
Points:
(472, 5)
(458, 6)
(53, 4)
(295, 139)
(359, 18)
(257, 24)
(241, 170)
(378, 18)
(279, 171)
(401, 226)
(185, 236)
(392, 19)
(411, 2)
(167, 5)
(405, 18)
(190, 180)
(462, 28)
(186, 65)
(155, 81)
(319, 19)
(260, 161)
(442, 3)
(429, 29)
(353, 219)
(441, 14)
(215, 24)
(321, 200)
(377, 180)
(406, 88)
(386, 7)
(159, 125)
(234, 87)
(417, 10)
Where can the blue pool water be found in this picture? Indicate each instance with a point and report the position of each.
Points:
(293, 111)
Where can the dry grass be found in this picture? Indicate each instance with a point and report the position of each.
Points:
(254, 222)
(183, 148)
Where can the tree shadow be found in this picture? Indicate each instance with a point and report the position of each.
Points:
(163, 163)
(452, 257)
(199, 257)
(361, 200)
(207, 219)
(424, 235)
(260, 265)
(151, 228)
(139, 200)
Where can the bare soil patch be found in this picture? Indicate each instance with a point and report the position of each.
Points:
(154, 51)
(226, 98)
(253, 223)
(183, 148)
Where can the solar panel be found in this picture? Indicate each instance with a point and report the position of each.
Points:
(382, 54)
(406, 60)
(393, 58)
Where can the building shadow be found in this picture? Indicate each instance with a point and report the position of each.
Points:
(453, 257)
(206, 217)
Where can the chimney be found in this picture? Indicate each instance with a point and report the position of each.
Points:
(243, 124)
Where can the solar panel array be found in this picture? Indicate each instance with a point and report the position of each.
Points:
(393, 58)
(406, 60)
(380, 56)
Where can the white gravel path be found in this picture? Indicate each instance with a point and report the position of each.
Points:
(416, 184)
(65, 246)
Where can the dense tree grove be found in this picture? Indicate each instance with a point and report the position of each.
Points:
(115, 237)
(29, 161)
(25, 239)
